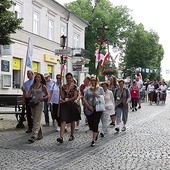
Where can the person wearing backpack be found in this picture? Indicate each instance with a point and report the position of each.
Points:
(134, 92)
(55, 98)
(48, 106)
(38, 93)
(122, 99)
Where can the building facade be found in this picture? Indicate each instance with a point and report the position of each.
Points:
(44, 22)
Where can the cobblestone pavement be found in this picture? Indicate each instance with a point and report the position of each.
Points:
(144, 146)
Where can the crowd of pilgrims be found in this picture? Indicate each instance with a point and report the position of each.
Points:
(67, 103)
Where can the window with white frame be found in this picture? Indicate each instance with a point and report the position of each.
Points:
(63, 30)
(76, 40)
(50, 29)
(18, 10)
(36, 22)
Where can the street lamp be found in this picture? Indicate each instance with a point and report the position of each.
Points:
(63, 41)
(114, 48)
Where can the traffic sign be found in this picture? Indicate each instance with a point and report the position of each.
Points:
(85, 69)
(77, 67)
(62, 52)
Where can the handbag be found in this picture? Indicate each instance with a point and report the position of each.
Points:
(100, 104)
(88, 112)
(120, 105)
(109, 107)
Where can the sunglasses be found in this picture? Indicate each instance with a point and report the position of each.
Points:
(58, 78)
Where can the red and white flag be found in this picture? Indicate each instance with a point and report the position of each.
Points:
(99, 56)
(104, 60)
(116, 57)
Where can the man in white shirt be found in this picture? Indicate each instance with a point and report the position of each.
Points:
(47, 106)
(25, 99)
(54, 99)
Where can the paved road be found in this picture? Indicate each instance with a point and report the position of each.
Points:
(144, 146)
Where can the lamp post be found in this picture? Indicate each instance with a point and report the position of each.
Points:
(115, 48)
(63, 59)
(62, 62)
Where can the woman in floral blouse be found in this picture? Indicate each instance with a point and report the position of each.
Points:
(69, 112)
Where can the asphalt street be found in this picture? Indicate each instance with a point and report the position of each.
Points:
(144, 146)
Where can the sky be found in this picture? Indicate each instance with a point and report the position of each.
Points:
(154, 15)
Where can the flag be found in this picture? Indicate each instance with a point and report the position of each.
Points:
(99, 57)
(104, 60)
(147, 70)
(116, 57)
(29, 54)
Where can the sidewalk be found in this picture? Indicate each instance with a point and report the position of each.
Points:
(7, 121)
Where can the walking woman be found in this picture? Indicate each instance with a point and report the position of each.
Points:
(151, 89)
(122, 99)
(69, 111)
(94, 90)
(38, 92)
(109, 108)
(134, 92)
(112, 87)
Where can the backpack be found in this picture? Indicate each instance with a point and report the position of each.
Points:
(123, 90)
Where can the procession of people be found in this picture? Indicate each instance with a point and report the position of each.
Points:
(99, 102)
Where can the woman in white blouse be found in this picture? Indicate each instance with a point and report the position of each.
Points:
(109, 106)
(151, 90)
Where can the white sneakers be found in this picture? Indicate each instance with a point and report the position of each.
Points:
(77, 128)
(58, 129)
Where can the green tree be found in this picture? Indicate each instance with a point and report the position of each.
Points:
(8, 23)
(144, 51)
(117, 20)
(168, 83)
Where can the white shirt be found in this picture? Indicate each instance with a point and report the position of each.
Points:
(139, 83)
(55, 94)
(163, 87)
(151, 88)
(49, 84)
(109, 100)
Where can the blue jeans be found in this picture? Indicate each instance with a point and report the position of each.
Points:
(121, 112)
(46, 107)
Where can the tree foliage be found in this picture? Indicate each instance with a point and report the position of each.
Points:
(168, 83)
(143, 51)
(139, 48)
(117, 20)
(8, 23)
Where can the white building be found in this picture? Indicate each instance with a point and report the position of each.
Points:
(44, 21)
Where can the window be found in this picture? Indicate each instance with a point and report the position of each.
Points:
(76, 40)
(51, 29)
(16, 73)
(36, 20)
(18, 10)
(63, 30)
